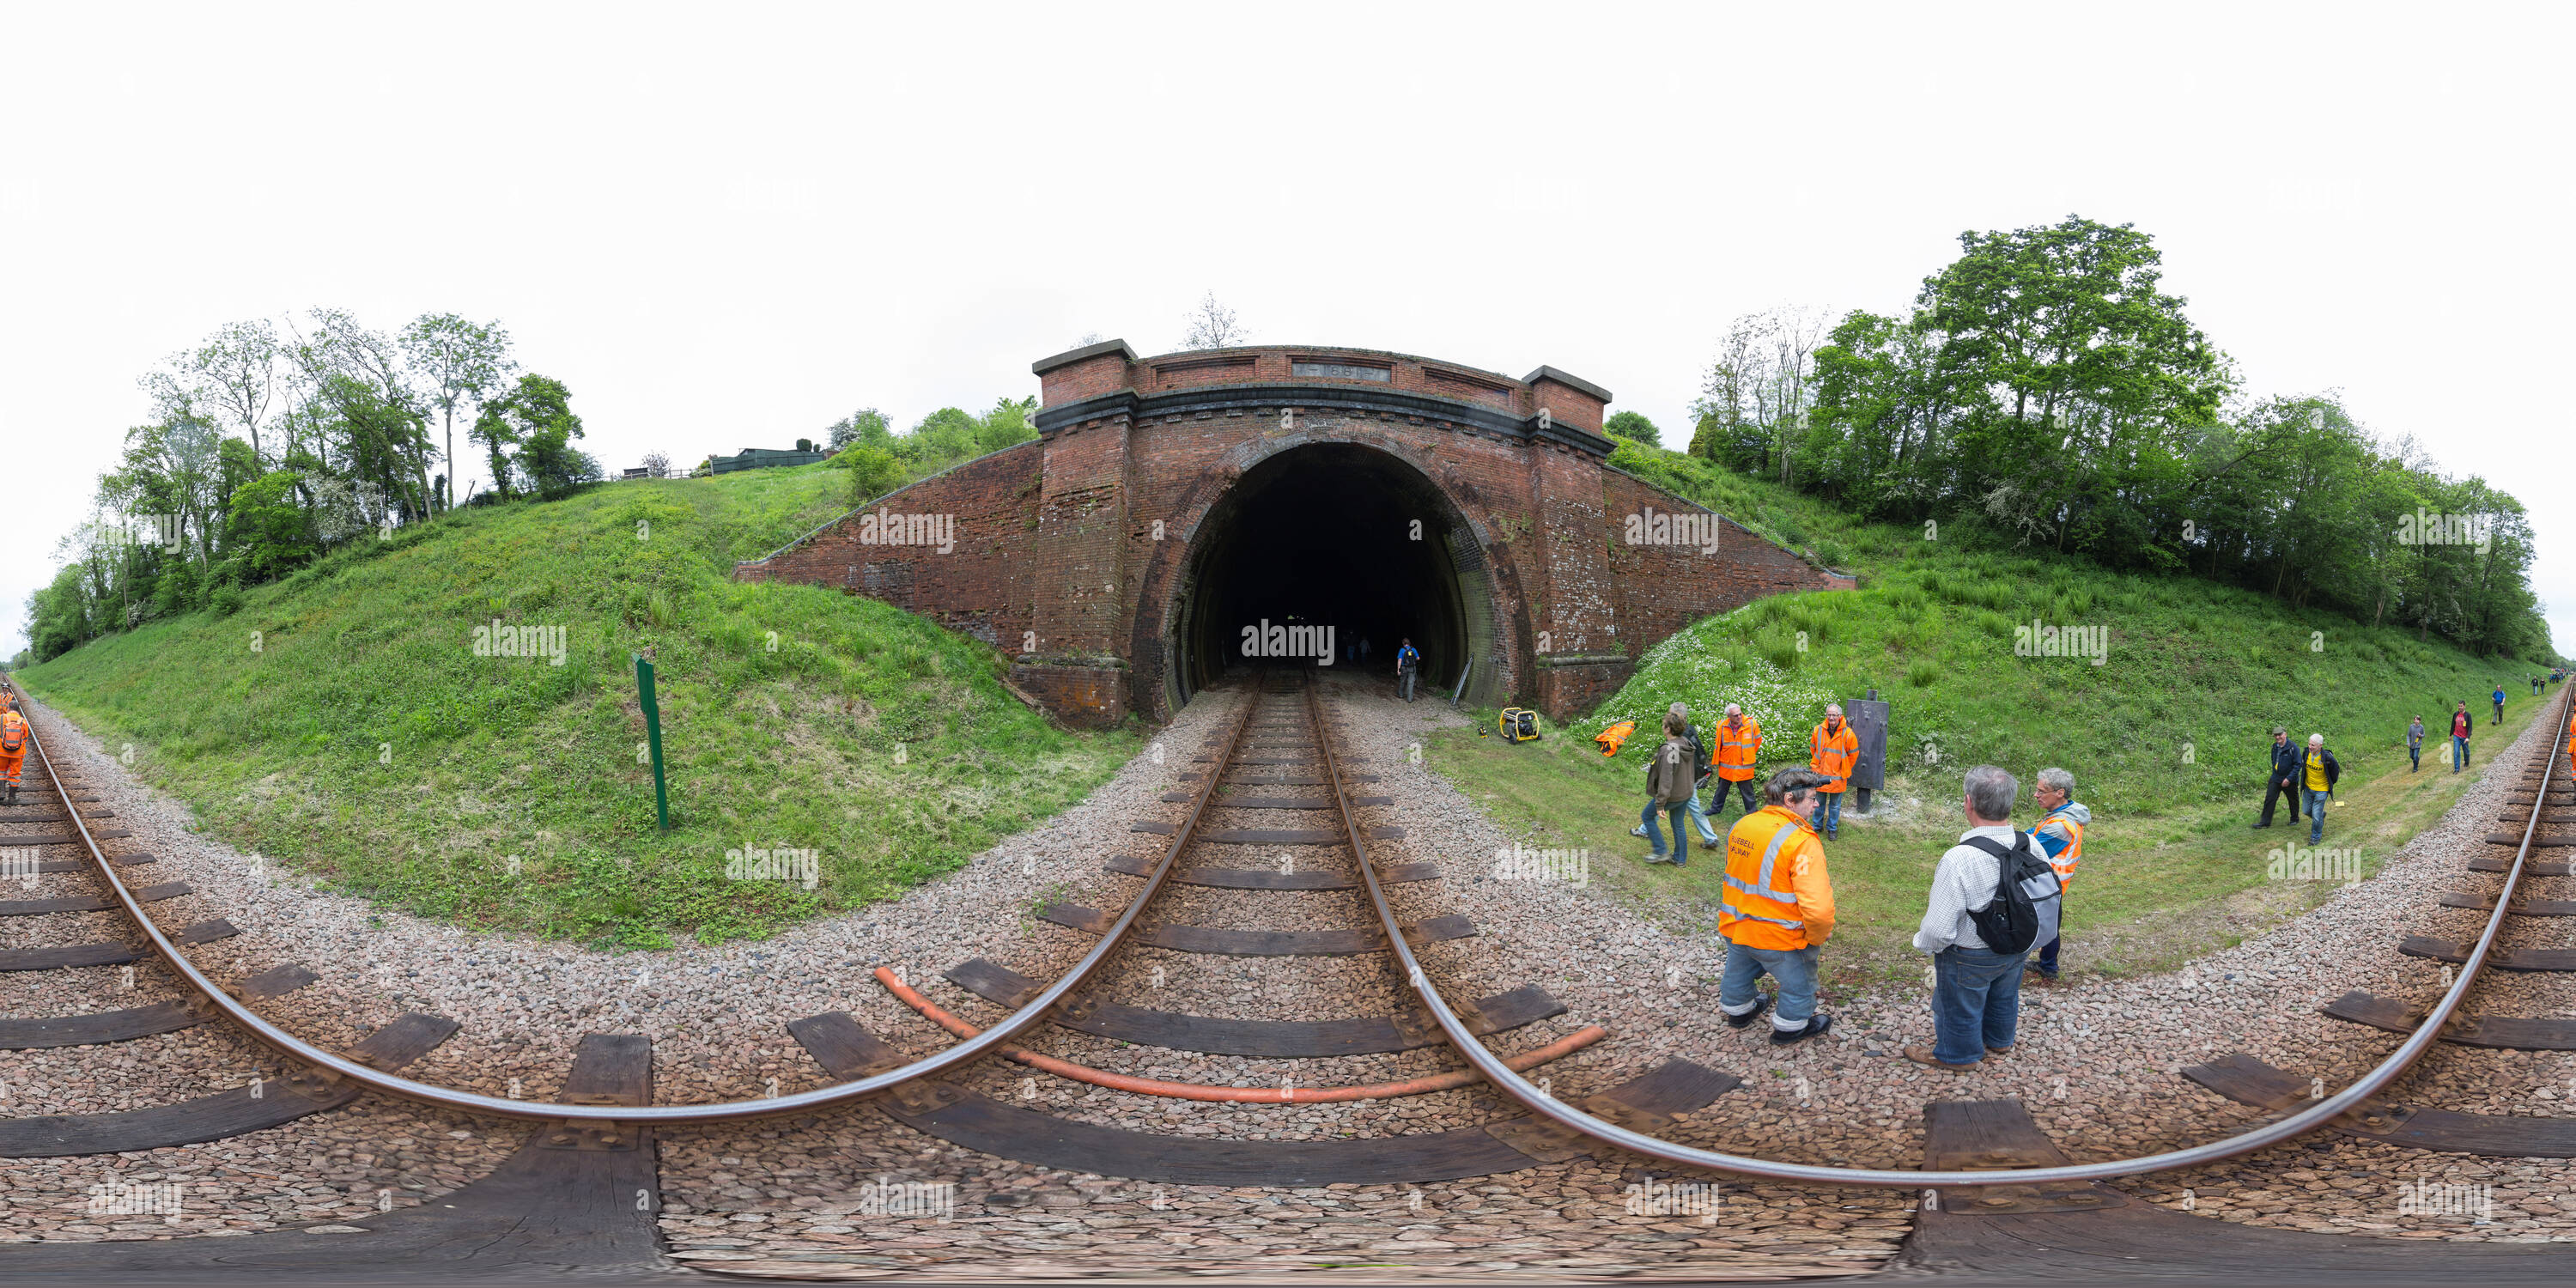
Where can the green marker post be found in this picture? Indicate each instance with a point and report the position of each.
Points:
(653, 734)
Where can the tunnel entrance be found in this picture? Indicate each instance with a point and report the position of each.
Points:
(1324, 535)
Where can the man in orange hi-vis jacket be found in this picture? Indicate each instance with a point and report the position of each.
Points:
(1776, 910)
(1833, 751)
(13, 751)
(1739, 744)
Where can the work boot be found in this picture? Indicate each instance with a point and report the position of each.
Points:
(1761, 1003)
(1816, 1026)
(1923, 1055)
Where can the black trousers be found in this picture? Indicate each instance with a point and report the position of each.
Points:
(2273, 795)
(1745, 789)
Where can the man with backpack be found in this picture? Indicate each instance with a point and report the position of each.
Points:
(1994, 898)
(1407, 661)
(13, 751)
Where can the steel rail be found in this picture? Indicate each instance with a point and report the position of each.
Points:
(2291, 1127)
(1000, 1034)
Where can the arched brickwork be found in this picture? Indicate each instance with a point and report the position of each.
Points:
(1073, 553)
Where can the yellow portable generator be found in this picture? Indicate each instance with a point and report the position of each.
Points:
(1518, 724)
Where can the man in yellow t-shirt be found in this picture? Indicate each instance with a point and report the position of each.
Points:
(2318, 771)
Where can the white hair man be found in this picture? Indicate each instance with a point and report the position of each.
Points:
(2317, 774)
(2060, 834)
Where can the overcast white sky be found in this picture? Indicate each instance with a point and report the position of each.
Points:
(724, 226)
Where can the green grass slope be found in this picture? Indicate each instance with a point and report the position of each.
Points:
(342, 722)
(2167, 738)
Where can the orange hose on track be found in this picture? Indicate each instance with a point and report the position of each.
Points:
(1564, 1046)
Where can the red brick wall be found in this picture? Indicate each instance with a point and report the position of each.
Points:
(979, 588)
(1056, 538)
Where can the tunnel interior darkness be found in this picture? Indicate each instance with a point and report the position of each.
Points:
(1323, 535)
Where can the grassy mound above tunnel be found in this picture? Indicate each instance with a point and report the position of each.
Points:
(2167, 737)
(344, 723)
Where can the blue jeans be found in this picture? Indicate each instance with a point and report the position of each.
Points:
(1679, 810)
(1976, 1002)
(2459, 754)
(1698, 816)
(1833, 810)
(2316, 812)
(1794, 969)
(2414, 756)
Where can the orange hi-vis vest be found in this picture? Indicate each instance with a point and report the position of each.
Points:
(2067, 858)
(1758, 909)
(13, 733)
(1834, 755)
(1736, 748)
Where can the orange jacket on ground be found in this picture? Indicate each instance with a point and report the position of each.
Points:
(1737, 745)
(1834, 755)
(1777, 895)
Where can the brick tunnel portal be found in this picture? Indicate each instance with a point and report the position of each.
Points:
(1335, 535)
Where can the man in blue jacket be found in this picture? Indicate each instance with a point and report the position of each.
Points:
(2285, 767)
(2499, 701)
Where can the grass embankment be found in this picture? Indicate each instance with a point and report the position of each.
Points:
(2167, 738)
(365, 743)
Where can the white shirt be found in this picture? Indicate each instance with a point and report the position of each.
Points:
(1964, 881)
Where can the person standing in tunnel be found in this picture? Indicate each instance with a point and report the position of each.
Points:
(1407, 662)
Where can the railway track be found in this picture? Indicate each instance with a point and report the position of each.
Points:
(1275, 781)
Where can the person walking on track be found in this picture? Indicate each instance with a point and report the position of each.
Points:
(1832, 750)
(2285, 765)
(2462, 725)
(1739, 743)
(1407, 663)
(1776, 910)
(2060, 834)
(2317, 774)
(13, 751)
(2415, 745)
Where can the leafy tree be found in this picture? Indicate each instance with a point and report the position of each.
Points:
(866, 425)
(274, 532)
(874, 471)
(235, 374)
(536, 417)
(1632, 426)
(455, 361)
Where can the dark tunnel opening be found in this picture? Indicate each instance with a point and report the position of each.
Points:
(1332, 535)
